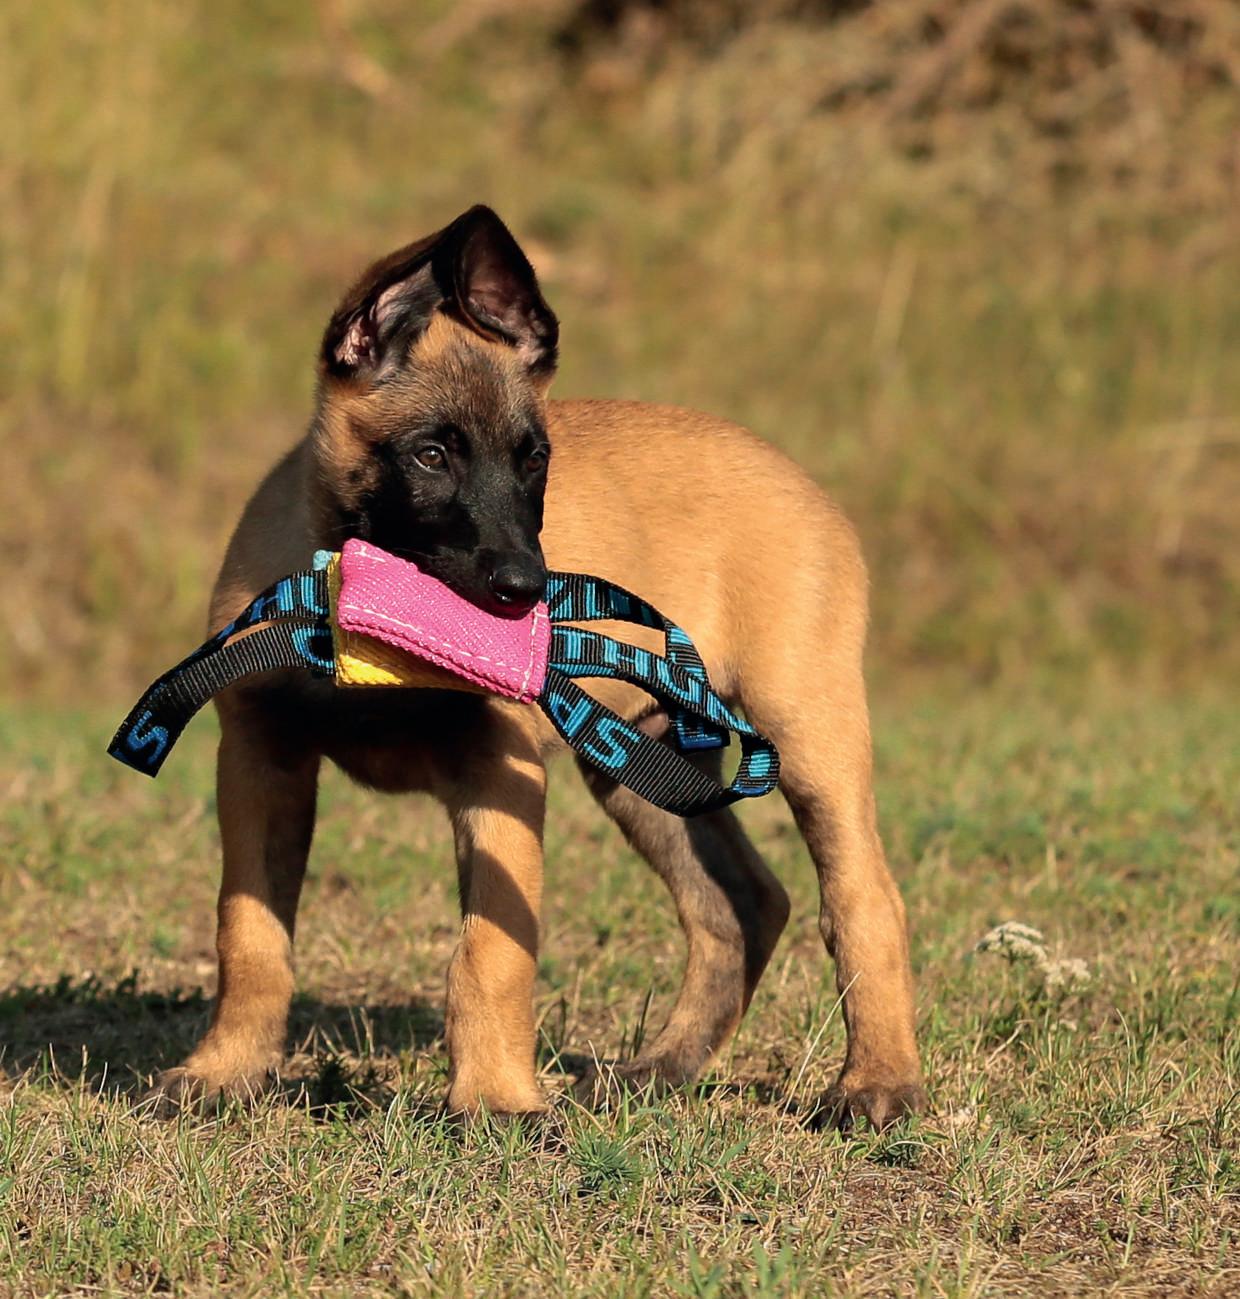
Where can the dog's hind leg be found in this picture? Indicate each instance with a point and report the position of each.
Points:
(808, 695)
(266, 795)
(827, 783)
(732, 910)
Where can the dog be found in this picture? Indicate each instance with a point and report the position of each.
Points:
(434, 438)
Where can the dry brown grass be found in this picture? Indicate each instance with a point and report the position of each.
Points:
(974, 264)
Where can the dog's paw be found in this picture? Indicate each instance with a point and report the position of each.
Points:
(603, 1086)
(881, 1104)
(499, 1098)
(184, 1090)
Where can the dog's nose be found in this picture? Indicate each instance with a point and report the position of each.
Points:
(516, 586)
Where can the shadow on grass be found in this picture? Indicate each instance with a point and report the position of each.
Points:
(115, 1036)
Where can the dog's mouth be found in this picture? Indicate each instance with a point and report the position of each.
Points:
(503, 607)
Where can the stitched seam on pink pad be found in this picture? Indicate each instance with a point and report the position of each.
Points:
(375, 619)
(529, 667)
(370, 623)
(375, 622)
(364, 551)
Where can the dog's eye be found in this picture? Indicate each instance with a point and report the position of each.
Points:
(536, 461)
(431, 457)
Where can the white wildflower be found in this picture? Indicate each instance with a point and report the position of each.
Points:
(1017, 942)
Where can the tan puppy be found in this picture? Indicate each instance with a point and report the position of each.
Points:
(434, 439)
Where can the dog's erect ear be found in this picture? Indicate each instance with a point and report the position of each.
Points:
(473, 269)
(497, 292)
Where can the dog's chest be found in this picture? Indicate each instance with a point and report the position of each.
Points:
(391, 739)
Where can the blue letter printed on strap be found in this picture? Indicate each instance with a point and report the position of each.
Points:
(314, 644)
(569, 717)
(619, 739)
(141, 735)
(556, 596)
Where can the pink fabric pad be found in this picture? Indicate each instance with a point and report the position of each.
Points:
(394, 601)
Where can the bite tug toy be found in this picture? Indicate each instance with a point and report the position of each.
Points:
(369, 619)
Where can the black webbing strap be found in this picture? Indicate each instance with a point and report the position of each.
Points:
(678, 680)
(298, 595)
(578, 597)
(299, 638)
(288, 626)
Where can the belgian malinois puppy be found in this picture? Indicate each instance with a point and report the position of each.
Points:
(433, 438)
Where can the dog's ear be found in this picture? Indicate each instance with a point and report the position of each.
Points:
(497, 292)
(383, 312)
(473, 269)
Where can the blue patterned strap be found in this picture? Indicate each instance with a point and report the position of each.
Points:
(578, 597)
(654, 770)
(678, 680)
(288, 626)
(284, 627)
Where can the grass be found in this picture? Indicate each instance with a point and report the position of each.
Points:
(1083, 1137)
(975, 267)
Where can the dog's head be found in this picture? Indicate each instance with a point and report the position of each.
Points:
(431, 435)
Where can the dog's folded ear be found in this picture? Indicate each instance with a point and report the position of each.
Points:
(473, 270)
(497, 292)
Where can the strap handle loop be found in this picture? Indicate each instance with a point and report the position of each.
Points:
(289, 626)
(678, 680)
(299, 638)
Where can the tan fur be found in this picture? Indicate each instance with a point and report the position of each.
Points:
(733, 542)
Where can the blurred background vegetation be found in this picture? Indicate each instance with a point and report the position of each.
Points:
(973, 262)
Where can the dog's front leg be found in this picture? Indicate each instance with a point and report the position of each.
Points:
(497, 807)
(266, 795)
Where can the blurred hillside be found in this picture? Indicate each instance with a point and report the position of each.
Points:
(973, 262)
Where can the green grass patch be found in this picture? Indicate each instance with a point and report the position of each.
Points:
(1083, 1133)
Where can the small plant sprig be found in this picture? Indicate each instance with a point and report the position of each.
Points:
(1022, 944)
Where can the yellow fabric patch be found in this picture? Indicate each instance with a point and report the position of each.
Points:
(366, 661)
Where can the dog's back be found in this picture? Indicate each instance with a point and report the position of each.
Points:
(712, 525)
